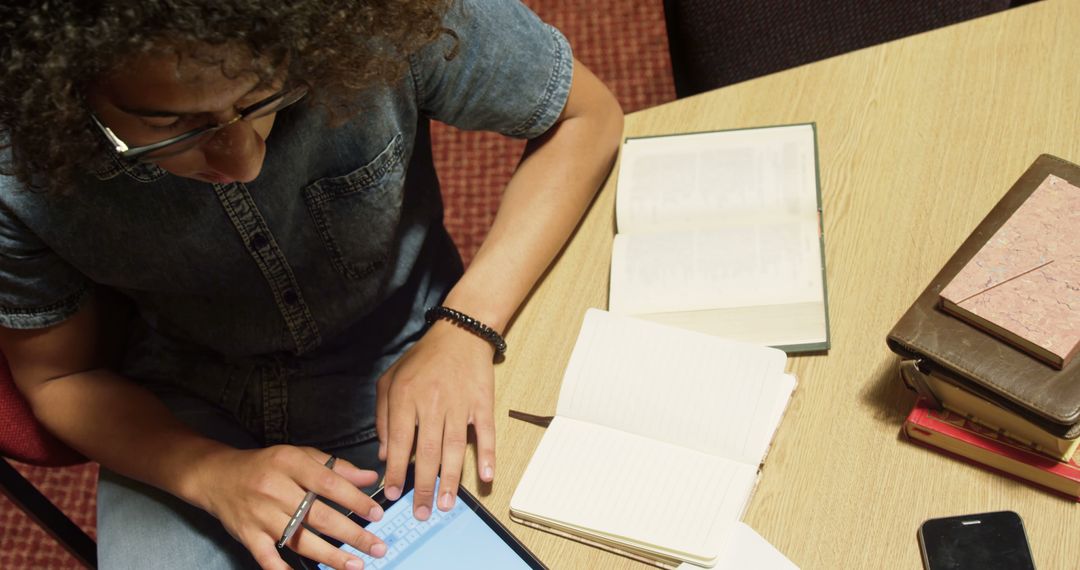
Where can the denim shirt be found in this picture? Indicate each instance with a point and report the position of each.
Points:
(281, 300)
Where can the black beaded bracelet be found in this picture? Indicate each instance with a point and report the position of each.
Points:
(472, 325)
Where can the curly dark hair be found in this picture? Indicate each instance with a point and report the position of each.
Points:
(57, 48)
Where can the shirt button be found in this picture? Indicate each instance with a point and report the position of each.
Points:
(290, 297)
(258, 241)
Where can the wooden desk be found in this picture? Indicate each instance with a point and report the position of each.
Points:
(918, 139)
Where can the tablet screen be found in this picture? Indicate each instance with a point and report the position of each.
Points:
(458, 539)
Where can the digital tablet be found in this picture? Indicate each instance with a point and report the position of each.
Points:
(467, 536)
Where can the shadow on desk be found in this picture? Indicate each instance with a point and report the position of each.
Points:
(887, 394)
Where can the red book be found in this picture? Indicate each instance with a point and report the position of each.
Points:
(957, 435)
(1024, 284)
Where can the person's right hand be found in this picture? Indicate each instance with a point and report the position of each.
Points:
(254, 493)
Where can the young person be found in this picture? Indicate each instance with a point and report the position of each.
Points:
(252, 179)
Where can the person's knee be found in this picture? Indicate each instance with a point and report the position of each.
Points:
(143, 527)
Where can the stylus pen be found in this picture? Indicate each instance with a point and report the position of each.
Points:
(302, 510)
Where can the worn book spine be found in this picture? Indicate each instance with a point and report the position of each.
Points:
(942, 393)
(1023, 285)
(956, 435)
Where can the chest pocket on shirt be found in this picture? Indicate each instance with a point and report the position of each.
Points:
(357, 214)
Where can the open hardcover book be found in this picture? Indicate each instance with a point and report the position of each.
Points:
(657, 440)
(720, 232)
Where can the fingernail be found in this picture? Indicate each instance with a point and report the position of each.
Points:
(382, 451)
(489, 473)
(375, 513)
(378, 550)
(446, 501)
(354, 564)
(392, 493)
(423, 513)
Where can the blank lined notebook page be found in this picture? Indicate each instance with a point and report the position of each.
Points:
(624, 486)
(686, 388)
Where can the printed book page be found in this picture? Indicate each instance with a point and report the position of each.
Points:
(708, 394)
(605, 482)
(708, 179)
(734, 266)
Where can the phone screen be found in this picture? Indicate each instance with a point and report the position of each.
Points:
(465, 537)
(988, 541)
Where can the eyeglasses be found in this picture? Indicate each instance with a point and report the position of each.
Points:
(195, 137)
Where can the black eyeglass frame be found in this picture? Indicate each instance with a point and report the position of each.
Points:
(135, 153)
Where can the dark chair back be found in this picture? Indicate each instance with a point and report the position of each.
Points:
(719, 42)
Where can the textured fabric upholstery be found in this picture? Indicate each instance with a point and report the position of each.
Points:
(21, 436)
(719, 42)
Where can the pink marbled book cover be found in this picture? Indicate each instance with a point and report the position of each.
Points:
(1024, 284)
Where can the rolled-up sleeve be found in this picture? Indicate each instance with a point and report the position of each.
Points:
(505, 71)
(37, 288)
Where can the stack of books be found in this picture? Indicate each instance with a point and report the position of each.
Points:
(990, 345)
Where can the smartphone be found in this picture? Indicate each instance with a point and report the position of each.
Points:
(987, 541)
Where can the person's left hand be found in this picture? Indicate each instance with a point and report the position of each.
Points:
(444, 383)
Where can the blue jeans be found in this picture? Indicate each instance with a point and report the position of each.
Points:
(140, 526)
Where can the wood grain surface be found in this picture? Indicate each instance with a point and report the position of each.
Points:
(918, 138)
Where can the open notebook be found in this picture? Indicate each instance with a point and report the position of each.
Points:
(657, 440)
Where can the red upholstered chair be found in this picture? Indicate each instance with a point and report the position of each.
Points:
(23, 439)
